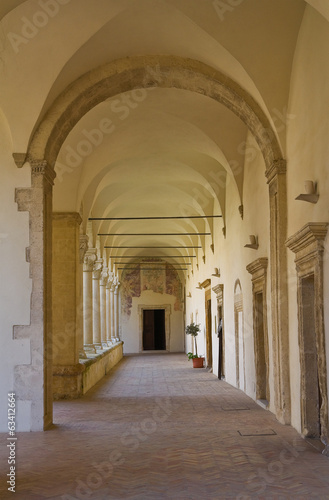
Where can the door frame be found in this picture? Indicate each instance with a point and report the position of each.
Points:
(167, 309)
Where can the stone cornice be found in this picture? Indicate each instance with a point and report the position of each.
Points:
(311, 233)
(258, 266)
(218, 289)
(205, 283)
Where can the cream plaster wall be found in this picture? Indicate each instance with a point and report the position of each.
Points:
(14, 274)
(130, 325)
(231, 258)
(308, 159)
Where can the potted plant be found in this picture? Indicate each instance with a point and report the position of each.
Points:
(193, 330)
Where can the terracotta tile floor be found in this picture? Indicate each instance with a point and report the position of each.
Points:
(156, 428)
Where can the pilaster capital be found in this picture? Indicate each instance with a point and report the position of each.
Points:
(276, 168)
(83, 246)
(41, 168)
(89, 260)
(97, 269)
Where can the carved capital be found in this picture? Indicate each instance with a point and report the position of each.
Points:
(89, 260)
(104, 277)
(97, 269)
(83, 245)
(110, 280)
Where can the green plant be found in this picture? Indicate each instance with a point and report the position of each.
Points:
(193, 330)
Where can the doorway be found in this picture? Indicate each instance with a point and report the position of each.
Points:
(312, 397)
(154, 331)
(208, 329)
(261, 343)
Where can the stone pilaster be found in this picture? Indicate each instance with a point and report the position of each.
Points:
(66, 269)
(97, 271)
(276, 178)
(102, 300)
(88, 266)
(33, 382)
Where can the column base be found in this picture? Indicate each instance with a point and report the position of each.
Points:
(98, 346)
(67, 381)
(104, 345)
(89, 349)
(82, 354)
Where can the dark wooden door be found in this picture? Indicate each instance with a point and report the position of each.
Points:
(154, 334)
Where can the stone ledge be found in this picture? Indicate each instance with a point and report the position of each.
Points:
(72, 381)
(98, 365)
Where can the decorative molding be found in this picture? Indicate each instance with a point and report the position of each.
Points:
(218, 289)
(278, 167)
(310, 234)
(257, 267)
(308, 246)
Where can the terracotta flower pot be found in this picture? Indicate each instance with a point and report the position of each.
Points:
(198, 362)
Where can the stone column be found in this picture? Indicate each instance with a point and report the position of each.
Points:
(83, 246)
(108, 312)
(67, 372)
(102, 300)
(96, 305)
(88, 266)
(33, 382)
(116, 312)
(112, 312)
(276, 179)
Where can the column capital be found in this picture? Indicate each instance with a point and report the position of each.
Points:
(97, 269)
(276, 168)
(104, 277)
(89, 260)
(83, 246)
(110, 279)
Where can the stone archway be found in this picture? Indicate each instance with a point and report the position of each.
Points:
(80, 97)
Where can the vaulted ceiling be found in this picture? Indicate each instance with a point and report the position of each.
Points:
(165, 151)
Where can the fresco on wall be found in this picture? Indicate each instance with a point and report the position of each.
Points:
(135, 281)
(130, 287)
(174, 286)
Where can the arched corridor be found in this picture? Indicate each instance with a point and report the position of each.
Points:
(164, 172)
(154, 428)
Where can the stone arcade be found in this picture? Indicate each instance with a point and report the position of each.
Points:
(143, 146)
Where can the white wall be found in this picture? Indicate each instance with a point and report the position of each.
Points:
(232, 258)
(14, 277)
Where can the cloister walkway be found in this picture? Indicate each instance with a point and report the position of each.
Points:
(155, 428)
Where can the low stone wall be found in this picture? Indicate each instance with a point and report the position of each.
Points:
(98, 367)
(70, 382)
